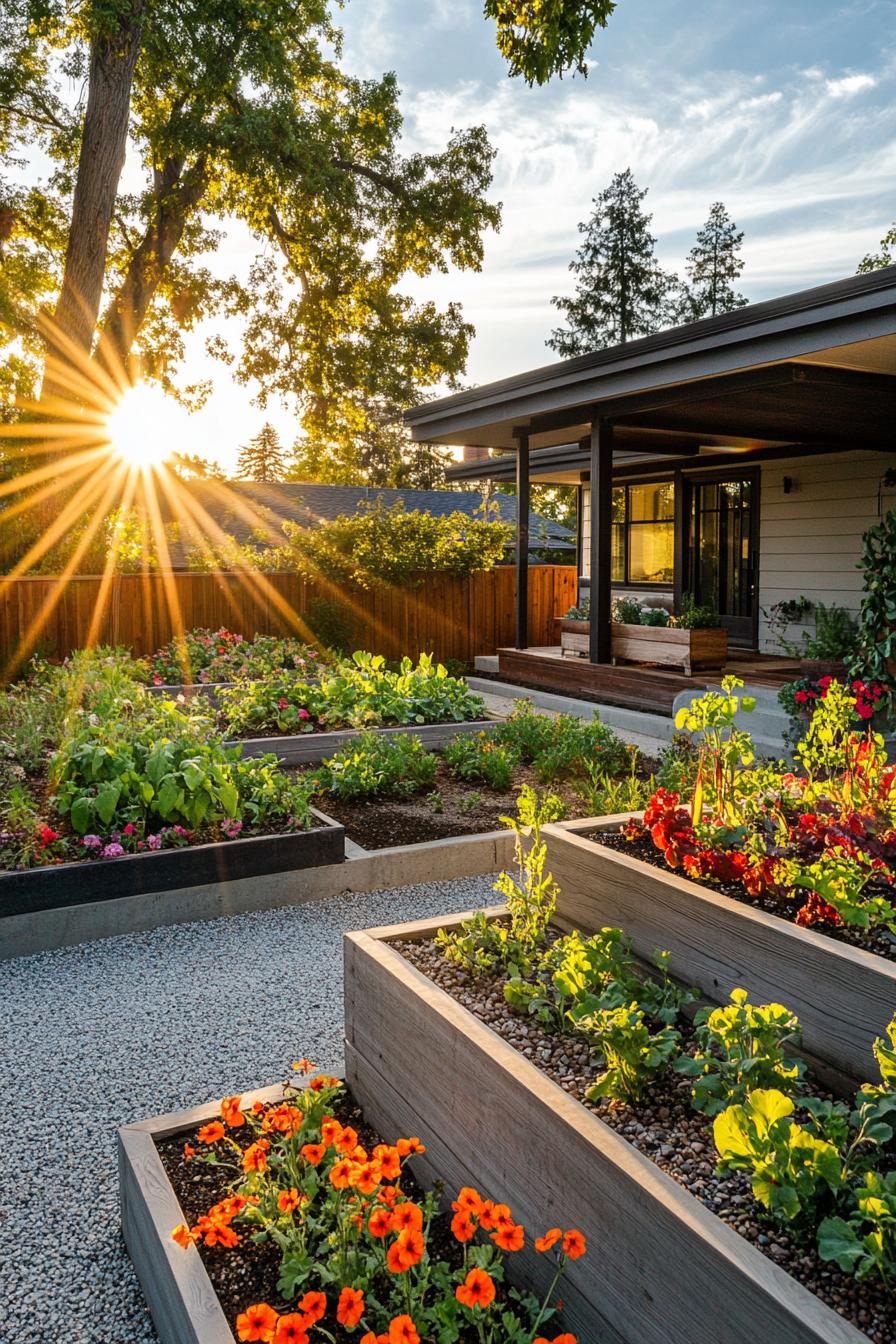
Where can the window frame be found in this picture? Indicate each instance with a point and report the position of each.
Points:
(626, 582)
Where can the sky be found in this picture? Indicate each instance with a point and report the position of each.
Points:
(783, 109)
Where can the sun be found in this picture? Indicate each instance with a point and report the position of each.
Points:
(146, 427)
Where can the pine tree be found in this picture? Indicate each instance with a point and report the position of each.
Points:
(713, 265)
(621, 291)
(262, 458)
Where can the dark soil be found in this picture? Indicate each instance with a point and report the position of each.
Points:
(679, 1140)
(248, 1273)
(451, 807)
(882, 943)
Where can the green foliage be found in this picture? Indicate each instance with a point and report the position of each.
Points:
(332, 623)
(741, 1048)
(875, 261)
(378, 766)
(564, 746)
(262, 458)
(604, 794)
(724, 749)
(841, 879)
(359, 692)
(621, 290)
(634, 1055)
(791, 1169)
(481, 757)
(539, 40)
(392, 546)
(836, 634)
(864, 1243)
(693, 617)
(530, 896)
(220, 655)
(580, 612)
(627, 611)
(657, 617)
(824, 750)
(875, 654)
(713, 265)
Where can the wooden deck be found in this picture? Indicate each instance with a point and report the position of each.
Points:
(642, 686)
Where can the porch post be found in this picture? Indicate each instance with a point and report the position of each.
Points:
(522, 539)
(599, 645)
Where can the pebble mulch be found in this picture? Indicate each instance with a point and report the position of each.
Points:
(668, 1131)
(106, 1033)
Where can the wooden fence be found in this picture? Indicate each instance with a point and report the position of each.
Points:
(449, 616)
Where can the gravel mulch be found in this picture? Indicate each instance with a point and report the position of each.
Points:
(106, 1033)
(671, 1134)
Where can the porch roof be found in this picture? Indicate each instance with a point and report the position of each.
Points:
(816, 369)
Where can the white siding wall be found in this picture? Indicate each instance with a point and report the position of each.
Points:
(810, 540)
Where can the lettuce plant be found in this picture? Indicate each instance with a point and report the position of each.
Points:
(741, 1048)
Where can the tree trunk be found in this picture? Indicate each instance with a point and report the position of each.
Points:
(103, 145)
(177, 195)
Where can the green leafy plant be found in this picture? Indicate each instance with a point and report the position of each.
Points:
(481, 756)
(603, 794)
(530, 894)
(634, 1055)
(656, 617)
(724, 749)
(836, 634)
(580, 612)
(693, 617)
(469, 802)
(864, 1243)
(376, 765)
(741, 1047)
(626, 611)
(874, 658)
(791, 1169)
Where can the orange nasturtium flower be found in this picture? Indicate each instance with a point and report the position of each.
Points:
(289, 1200)
(468, 1201)
(407, 1147)
(313, 1153)
(341, 1174)
(302, 1065)
(510, 1237)
(477, 1290)
(463, 1227)
(291, 1329)
(255, 1158)
(389, 1160)
(183, 1236)
(211, 1133)
(407, 1215)
(558, 1339)
(189, 1152)
(313, 1306)
(573, 1244)
(350, 1308)
(231, 1113)
(548, 1240)
(406, 1251)
(347, 1140)
(330, 1130)
(402, 1331)
(257, 1322)
(378, 1224)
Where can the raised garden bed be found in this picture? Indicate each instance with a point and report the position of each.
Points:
(309, 748)
(843, 995)
(56, 886)
(496, 1121)
(666, 645)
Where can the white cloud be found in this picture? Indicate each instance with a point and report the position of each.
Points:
(849, 85)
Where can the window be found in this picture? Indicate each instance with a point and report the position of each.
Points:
(643, 549)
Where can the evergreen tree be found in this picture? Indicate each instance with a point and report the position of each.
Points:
(621, 291)
(875, 261)
(713, 265)
(262, 458)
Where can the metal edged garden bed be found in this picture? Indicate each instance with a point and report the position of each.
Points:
(662, 1269)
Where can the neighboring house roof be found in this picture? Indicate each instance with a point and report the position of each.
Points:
(256, 510)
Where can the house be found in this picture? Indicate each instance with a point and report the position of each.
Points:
(254, 511)
(739, 458)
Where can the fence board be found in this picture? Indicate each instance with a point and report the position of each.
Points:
(447, 615)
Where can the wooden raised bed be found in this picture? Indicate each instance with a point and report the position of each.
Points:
(843, 996)
(65, 884)
(666, 645)
(662, 1269)
(309, 748)
(184, 1306)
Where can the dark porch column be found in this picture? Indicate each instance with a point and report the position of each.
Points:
(522, 539)
(601, 551)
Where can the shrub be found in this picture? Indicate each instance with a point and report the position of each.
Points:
(379, 766)
(480, 756)
(692, 617)
(564, 746)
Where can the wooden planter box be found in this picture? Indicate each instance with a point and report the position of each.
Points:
(843, 996)
(667, 645)
(184, 1306)
(138, 875)
(661, 1268)
(309, 748)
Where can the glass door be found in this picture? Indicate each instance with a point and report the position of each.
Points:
(721, 563)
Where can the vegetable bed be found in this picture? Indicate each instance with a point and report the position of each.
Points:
(592, 1162)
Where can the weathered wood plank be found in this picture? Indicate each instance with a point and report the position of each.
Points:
(843, 996)
(497, 1122)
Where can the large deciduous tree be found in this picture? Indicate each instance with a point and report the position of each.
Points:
(621, 290)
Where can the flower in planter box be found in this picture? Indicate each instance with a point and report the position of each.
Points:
(257, 1323)
(350, 1308)
(477, 1290)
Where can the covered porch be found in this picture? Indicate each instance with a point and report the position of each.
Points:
(736, 460)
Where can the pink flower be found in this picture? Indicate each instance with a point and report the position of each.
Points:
(154, 841)
(113, 851)
(303, 714)
(129, 829)
(283, 703)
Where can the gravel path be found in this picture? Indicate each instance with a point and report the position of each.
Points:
(99, 1035)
